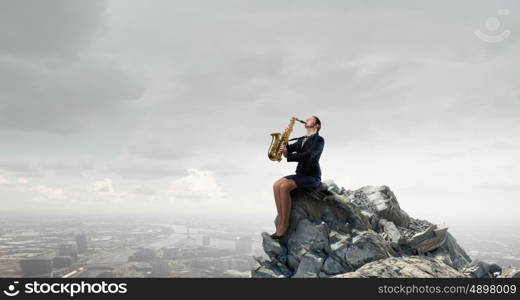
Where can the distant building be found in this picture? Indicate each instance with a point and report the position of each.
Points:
(160, 268)
(82, 242)
(205, 240)
(244, 244)
(143, 254)
(107, 274)
(62, 262)
(220, 265)
(36, 266)
(170, 253)
(189, 252)
(98, 272)
(68, 250)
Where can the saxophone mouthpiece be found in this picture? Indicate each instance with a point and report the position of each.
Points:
(303, 122)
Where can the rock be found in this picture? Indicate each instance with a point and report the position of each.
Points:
(442, 256)
(338, 241)
(292, 262)
(382, 201)
(323, 275)
(266, 272)
(430, 239)
(310, 266)
(480, 269)
(266, 269)
(332, 266)
(307, 237)
(453, 253)
(510, 272)
(272, 247)
(404, 267)
(390, 232)
(335, 231)
(367, 246)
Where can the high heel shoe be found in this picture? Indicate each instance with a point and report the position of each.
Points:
(274, 236)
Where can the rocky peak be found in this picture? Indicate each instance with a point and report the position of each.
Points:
(334, 232)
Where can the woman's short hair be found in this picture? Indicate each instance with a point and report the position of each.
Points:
(318, 121)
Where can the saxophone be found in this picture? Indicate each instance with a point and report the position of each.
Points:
(279, 139)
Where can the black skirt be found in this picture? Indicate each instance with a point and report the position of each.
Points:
(303, 181)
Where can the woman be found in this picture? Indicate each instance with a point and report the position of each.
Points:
(306, 151)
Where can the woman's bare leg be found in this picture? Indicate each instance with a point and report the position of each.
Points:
(276, 192)
(285, 198)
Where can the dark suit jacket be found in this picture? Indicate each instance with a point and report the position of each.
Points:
(307, 157)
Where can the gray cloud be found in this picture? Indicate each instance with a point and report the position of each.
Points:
(144, 190)
(138, 168)
(20, 166)
(63, 98)
(55, 28)
(406, 92)
(49, 81)
(69, 166)
(320, 60)
(31, 167)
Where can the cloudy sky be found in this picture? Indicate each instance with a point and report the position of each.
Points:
(168, 106)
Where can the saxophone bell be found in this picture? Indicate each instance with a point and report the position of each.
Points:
(274, 148)
(279, 139)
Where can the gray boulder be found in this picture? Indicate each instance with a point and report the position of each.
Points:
(481, 269)
(310, 266)
(333, 266)
(404, 267)
(429, 239)
(272, 248)
(381, 201)
(307, 237)
(452, 253)
(390, 232)
(334, 231)
(367, 246)
(267, 269)
(510, 272)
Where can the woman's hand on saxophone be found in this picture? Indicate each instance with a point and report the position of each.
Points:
(283, 149)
